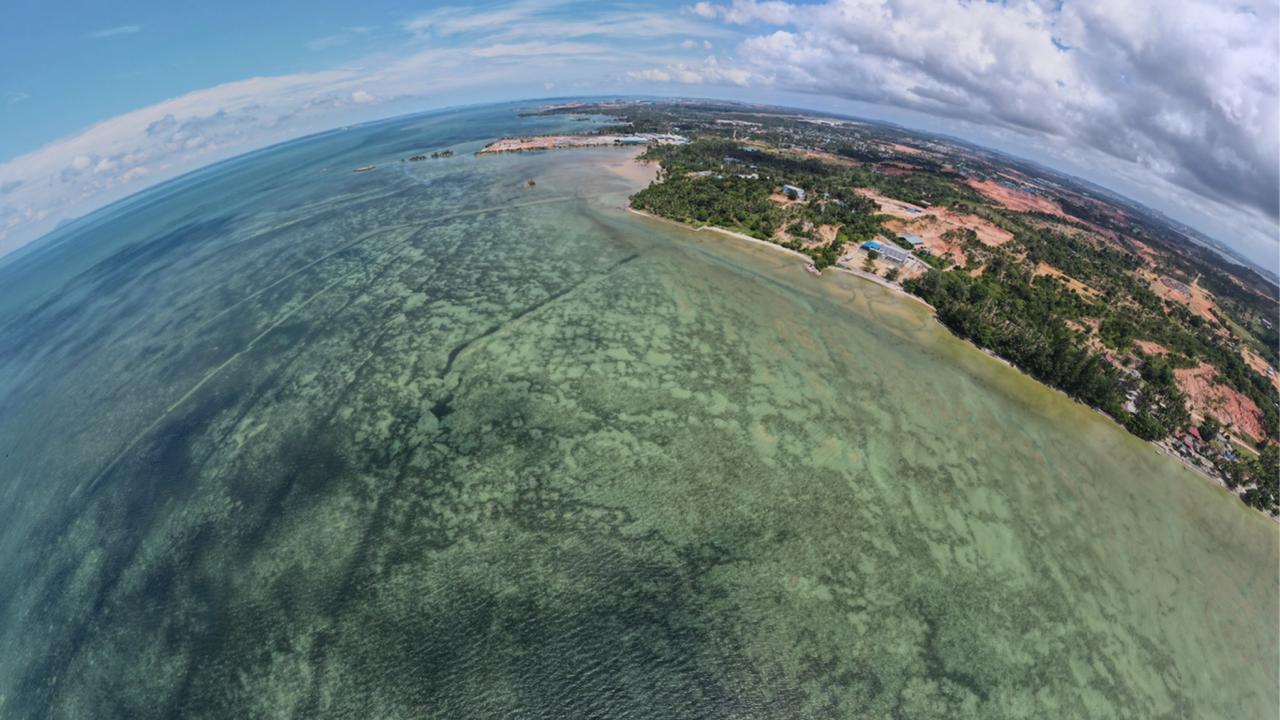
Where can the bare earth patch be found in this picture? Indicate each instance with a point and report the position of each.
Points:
(1021, 201)
(934, 222)
(890, 206)
(1072, 284)
(1206, 395)
(1151, 348)
(1256, 361)
(1194, 298)
(907, 149)
(988, 233)
(1015, 199)
(640, 172)
(829, 157)
(931, 231)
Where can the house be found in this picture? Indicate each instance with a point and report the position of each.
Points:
(790, 190)
(895, 253)
(914, 241)
(889, 252)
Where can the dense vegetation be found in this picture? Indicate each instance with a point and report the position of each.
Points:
(726, 184)
(1256, 478)
(1005, 311)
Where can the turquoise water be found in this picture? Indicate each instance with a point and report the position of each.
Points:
(279, 439)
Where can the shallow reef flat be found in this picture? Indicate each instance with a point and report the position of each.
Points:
(429, 441)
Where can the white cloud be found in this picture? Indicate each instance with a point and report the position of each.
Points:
(13, 97)
(535, 40)
(339, 39)
(113, 31)
(742, 12)
(555, 21)
(107, 161)
(535, 48)
(706, 10)
(1180, 94)
(453, 20)
(709, 71)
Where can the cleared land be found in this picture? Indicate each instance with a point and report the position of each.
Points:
(1206, 395)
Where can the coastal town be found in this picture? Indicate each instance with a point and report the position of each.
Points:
(1090, 294)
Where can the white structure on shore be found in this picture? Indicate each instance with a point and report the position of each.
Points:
(790, 190)
(894, 253)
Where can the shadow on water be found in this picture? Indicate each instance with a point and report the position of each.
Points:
(556, 611)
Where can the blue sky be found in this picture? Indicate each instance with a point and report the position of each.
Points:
(81, 62)
(1175, 105)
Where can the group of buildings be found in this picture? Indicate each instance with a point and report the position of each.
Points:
(893, 252)
(889, 251)
(652, 139)
(1200, 450)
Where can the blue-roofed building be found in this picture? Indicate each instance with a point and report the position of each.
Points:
(888, 252)
(914, 240)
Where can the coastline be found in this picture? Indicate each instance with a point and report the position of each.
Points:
(1160, 448)
(794, 253)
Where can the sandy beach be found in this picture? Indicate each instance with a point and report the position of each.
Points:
(788, 251)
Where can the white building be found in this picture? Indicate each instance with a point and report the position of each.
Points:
(892, 252)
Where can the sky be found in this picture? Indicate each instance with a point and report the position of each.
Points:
(1175, 105)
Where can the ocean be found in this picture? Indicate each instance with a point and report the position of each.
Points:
(279, 439)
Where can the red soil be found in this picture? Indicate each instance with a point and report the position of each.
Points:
(1015, 199)
(1205, 395)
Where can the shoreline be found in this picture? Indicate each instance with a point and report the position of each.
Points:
(794, 253)
(1160, 448)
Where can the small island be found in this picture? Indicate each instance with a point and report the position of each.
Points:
(435, 155)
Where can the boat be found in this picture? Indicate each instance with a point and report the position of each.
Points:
(365, 168)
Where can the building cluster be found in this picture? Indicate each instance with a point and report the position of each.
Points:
(653, 138)
(889, 252)
(1201, 451)
(1190, 444)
